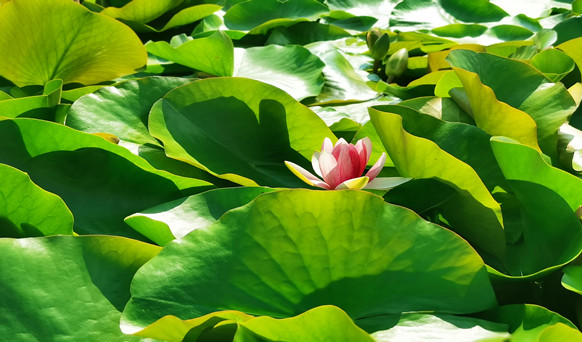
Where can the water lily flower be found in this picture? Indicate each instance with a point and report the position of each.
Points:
(341, 167)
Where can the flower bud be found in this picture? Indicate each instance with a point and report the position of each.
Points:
(397, 63)
(378, 43)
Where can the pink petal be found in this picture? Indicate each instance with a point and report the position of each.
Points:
(357, 169)
(327, 145)
(305, 175)
(375, 170)
(361, 149)
(368, 144)
(344, 162)
(337, 148)
(329, 169)
(354, 183)
(315, 163)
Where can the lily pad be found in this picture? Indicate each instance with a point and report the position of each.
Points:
(323, 323)
(258, 16)
(100, 182)
(289, 251)
(237, 135)
(344, 81)
(122, 109)
(520, 86)
(464, 142)
(293, 69)
(44, 46)
(526, 322)
(546, 233)
(68, 286)
(473, 213)
(437, 327)
(213, 54)
(168, 221)
(51, 96)
(138, 13)
(28, 210)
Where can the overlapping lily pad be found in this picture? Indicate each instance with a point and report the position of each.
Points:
(238, 135)
(28, 210)
(480, 221)
(46, 42)
(289, 251)
(100, 182)
(68, 286)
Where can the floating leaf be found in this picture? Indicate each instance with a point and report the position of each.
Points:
(47, 42)
(122, 109)
(309, 252)
(100, 182)
(27, 210)
(291, 68)
(473, 213)
(258, 16)
(165, 222)
(324, 323)
(67, 286)
(213, 54)
(138, 13)
(520, 86)
(51, 96)
(553, 63)
(546, 200)
(526, 322)
(235, 134)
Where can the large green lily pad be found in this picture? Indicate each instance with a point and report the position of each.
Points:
(46, 42)
(67, 286)
(238, 129)
(28, 210)
(289, 251)
(473, 212)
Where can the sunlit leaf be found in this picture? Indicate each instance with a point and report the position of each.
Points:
(46, 41)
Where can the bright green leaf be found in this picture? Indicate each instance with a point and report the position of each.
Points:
(315, 248)
(323, 323)
(526, 321)
(344, 81)
(67, 287)
(213, 54)
(258, 16)
(502, 90)
(100, 182)
(165, 222)
(291, 68)
(64, 40)
(553, 63)
(50, 97)
(546, 199)
(473, 213)
(122, 109)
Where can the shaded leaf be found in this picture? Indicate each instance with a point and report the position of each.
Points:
(473, 213)
(27, 210)
(238, 135)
